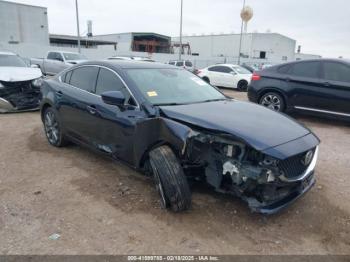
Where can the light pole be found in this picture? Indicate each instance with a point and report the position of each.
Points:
(240, 39)
(180, 52)
(78, 27)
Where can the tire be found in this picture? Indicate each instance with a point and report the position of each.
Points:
(273, 101)
(242, 85)
(53, 129)
(170, 179)
(206, 79)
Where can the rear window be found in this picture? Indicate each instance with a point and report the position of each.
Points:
(188, 63)
(284, 69)
(306, 69)
(85, 78)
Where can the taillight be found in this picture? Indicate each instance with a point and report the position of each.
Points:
(256, 77)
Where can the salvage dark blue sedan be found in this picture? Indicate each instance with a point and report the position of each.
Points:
(173, 126)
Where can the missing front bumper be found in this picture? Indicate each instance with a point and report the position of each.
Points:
(271, 208)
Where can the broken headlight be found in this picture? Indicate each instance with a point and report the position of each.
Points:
(37, 82)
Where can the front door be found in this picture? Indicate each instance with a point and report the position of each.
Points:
(336, 79)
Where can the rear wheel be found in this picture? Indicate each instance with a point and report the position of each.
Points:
(242, 85)
(273, 101)
(171, 182)
(53, 129)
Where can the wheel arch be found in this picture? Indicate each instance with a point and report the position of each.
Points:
(275, 90)
(44, 106)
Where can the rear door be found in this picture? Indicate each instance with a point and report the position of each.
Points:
(218, 75)
(76, 97)
(305, 85)
(336, 78)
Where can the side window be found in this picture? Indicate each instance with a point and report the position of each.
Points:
(306, 69)
(220, 69)
(171, 63)
(108, 81)
(179, 64)
(85, 78)
(336, 72)
(51, 56)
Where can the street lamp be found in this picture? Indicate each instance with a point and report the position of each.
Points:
(240, 39)
(180, 51)
(78, 27)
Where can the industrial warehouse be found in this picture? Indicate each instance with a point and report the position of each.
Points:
(178, 130)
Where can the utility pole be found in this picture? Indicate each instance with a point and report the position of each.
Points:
(78, 27)
(240, 39)
(180, 50)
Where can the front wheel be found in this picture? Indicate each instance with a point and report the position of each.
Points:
(53, 129)
(170, 180)
(273, 101)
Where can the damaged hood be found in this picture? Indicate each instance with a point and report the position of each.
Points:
(257, 126)
(19, 74)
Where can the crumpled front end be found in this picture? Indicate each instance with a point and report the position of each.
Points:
(267, 183)
(19, 96)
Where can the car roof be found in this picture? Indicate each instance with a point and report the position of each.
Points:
(229, 65)
(127, 64)
(6, 53)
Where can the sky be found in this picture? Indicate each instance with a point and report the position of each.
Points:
(320, 26)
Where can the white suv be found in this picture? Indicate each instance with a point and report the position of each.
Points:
(226, 75)
(184, 64)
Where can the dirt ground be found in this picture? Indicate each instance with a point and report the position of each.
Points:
(101, 207)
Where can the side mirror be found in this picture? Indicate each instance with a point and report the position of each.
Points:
(233, 73)
(115, 98)
(34, 66)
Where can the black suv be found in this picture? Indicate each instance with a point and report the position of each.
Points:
(311, 86)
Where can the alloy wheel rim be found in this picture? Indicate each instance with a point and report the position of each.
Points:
(272, 102)
(51, 128)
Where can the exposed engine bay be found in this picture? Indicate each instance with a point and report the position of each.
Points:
(233, 167)
(19, 96)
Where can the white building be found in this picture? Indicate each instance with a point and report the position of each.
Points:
(260, 48)
(23, 24)
(302, 56)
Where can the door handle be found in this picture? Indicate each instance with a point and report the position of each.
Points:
(92, 110)
(326, 84)
(59, 93)
(287, 79)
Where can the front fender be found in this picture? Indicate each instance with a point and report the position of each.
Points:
(159, 131)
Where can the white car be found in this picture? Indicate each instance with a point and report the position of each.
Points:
(19, 84)
(226, 75)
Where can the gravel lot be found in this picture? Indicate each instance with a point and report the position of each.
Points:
(101, 207)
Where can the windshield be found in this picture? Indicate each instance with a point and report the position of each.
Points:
(12, 60)
(241, 70)
(73, 56)
(172, 86)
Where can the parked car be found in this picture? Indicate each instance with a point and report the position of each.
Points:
(131, 58)
(172, 125)
(186, 64)
(19, 84)
(226, 75)
(57, 61)
(320, 87)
